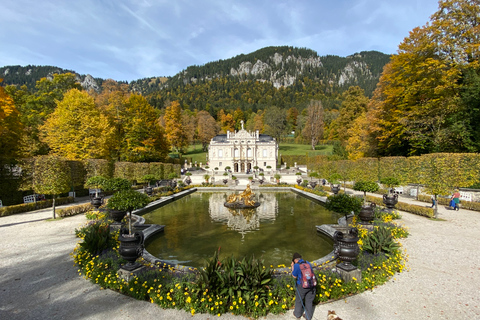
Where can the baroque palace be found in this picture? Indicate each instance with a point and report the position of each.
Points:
(242, 151)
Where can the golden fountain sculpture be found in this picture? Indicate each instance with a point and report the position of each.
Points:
(244, 200)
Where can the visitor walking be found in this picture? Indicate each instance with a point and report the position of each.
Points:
(433, 200)
(456, 200)
(305, 285)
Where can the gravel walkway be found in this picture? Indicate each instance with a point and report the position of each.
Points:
(38, 279)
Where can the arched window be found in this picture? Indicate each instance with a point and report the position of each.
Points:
(249, 152)
(236, 153)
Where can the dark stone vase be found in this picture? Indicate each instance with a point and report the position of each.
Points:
(346, 248)
(116, 215)
(366, 214)
(299, 180)
(335, 188)
(97, 202)
(131, 248)
(313, 184)
(390, 200)
(149, 191)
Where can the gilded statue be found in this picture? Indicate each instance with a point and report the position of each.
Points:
(246, 198)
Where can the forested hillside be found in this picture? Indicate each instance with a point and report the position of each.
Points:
(281, 76)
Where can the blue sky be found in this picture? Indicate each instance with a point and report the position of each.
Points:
(133, 39)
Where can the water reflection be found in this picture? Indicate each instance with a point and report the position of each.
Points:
(243, 220)
(199, 224)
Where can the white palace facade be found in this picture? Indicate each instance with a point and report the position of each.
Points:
(242, 151)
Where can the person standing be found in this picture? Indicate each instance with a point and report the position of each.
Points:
(304, 296)
(456, 200)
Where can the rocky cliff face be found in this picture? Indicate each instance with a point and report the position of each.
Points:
(283, 66)
(281, 71)
(29, 75)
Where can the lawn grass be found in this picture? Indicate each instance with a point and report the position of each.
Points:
(292, 149)
(288, 149)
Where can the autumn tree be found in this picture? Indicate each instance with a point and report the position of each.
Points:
(207, 128)
(51, 175)
(419, 94)
(76, 129)
(238, 116)
(313, 129)
(144, 140)
(275, 120)
(189, 124)
(10, 128)
(292, 115)
(35, 107)
(175, 133)
(11, 132)
(354, 104)
(226, 121)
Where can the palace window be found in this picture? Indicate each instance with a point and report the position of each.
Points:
(220, 153)
(264, 153)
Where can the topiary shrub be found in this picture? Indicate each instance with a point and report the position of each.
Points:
(344, 203)
(365, 186)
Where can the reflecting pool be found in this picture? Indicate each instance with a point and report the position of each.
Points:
(199, 224)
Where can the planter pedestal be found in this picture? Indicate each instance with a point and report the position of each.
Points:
(131, 248)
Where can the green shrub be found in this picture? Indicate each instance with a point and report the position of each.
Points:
(380, 240)
(97, 238)
(117, 184)
(247, 278)
(344, 203)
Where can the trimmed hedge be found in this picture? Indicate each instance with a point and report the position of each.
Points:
(407, 207)
(25, 207)
(74, 210)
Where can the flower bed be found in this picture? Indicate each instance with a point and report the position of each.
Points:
(205, 291)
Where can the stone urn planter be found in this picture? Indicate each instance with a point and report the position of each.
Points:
(299, 180)
(149, 191)
(131, 248)
(117, 215)
(335, 188)
(313, 184)
(366, 214)
(346, 248)
(390, 200)
(96, 202)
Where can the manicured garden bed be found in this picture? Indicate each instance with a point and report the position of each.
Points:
(247, 287)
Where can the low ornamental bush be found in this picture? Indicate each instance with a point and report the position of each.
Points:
(74, 210)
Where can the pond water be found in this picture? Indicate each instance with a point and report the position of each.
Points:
(199, 224)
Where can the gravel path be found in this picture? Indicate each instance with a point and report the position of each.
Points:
(38, 279)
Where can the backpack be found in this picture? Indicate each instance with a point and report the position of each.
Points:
(308, 277)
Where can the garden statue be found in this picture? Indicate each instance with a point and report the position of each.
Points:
(246, 199)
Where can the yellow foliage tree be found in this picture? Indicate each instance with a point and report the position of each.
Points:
(76, 129)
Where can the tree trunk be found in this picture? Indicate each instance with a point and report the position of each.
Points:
(53, 205)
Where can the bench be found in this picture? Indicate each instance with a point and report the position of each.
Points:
(465, 196)
(33, 198)
(398, 190)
